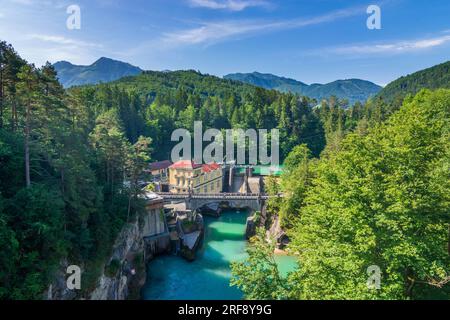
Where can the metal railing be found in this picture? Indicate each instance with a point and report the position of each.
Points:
(218, 196)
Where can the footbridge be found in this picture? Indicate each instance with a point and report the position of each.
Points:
(193, 202)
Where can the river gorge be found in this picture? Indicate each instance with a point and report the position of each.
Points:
(170, 277)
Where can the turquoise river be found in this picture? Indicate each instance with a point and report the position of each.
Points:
(208, 277)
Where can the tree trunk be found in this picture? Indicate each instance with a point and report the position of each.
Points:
(107, 172)
(27, 146)
(129, 208)
(409, 289)
(14, 117)
(112, 185)
(409, 283)
(1, 97)
(448, 245)
(63, 189)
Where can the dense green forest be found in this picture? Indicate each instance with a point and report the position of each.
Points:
(381, 198)
(62, 167)
(432, 78)
(156, 103)
(65, 154)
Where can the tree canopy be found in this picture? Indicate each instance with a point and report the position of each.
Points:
(381, 200)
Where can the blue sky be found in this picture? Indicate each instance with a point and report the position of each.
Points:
(308, 40)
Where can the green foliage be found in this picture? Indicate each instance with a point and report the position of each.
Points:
(382, 200)
(9, 254)
(295, 182)
(272, 188)
(171, 100)
(150, 187)
(33, 239)
(432, 78)
(71, 163)
(112, 268)
(63, 165)
(258, 276)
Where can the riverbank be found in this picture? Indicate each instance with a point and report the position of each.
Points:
(280, 252)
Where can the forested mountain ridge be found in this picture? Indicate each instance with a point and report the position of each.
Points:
(165, 101)
(154, 83)
(432, 78)
(102, 70)
(268, 81)
(156, 103)
(354, 182)
(108, 70)
(355, 90)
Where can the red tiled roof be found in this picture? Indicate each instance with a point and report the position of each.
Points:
(210, 167)
(160, 165)
(185, 164)
(188, 164)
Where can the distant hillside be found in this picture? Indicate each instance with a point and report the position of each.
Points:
(162, 102)
(431, 78)
(268, 81)
(353, 89)
(103, 70)
(153, 83)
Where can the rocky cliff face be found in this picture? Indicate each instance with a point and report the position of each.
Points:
(276, 232)
(124, 273)
(111, 288)
(272, 225)
(128, 252)
(58, 289)
(251, 226)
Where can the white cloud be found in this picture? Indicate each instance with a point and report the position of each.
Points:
(212, 32)
(62, 40)
(26, 2)
(391, 48)
(232, 5)
(62, 48)
(39, 48)
(30, 27)
(37, 53)
(54, 3)
(58, 53)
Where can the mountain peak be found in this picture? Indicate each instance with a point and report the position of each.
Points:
(103, 70)
(107, 60)
(63, 63)
(103, 59)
